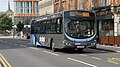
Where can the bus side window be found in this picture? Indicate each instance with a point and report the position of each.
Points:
(59, 25)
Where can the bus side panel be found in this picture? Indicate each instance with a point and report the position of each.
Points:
(32, 39)
(35, 40)
(57, 39)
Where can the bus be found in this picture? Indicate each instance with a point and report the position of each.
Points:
(73, 29)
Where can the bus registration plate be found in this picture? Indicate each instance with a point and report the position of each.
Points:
(80, 46)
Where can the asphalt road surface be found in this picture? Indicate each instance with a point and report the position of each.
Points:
(20, 53)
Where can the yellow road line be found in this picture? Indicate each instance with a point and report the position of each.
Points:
(0, 65)
(5, 60)
(110, 61)
(96, 58)
(116, 59)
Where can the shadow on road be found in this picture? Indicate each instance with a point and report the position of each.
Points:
(85, 51)
(10, 43)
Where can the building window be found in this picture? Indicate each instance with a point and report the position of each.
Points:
(71, 4)
(107, 27)
(35, 7)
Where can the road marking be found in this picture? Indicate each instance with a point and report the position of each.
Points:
(112, 60)
(23, 46)
(116, 59)
(96, 58)
(5, 60)
(2, 63)
(51, 53)
(34, 48)
(82, 62)
(83, 55)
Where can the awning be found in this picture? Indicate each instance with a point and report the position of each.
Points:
(104, 17)
(102, 7)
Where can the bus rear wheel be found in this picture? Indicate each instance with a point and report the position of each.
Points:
(52, 45)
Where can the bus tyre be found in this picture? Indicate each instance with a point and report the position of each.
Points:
(37, 46)
(52, 45)
(80, 49)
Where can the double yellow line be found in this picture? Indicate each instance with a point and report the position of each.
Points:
(4, 62)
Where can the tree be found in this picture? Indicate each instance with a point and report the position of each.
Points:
(20, 26)
(5, 23)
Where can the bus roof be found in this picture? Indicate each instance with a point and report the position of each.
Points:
(55, 15)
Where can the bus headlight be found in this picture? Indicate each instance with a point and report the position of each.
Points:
(64, 41)
(94, 40)
(93, 43)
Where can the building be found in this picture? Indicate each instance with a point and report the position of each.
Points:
(108, 18)
(46, 7)
(54, 6)
(25, 10)
(62, 5)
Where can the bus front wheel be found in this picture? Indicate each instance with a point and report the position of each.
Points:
(80, 49)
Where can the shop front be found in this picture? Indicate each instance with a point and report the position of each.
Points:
(107, 26)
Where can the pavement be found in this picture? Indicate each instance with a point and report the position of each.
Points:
(24, 38)
(115, 49)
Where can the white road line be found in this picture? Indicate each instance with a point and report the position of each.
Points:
(34, 48)
(51, 53)
(83, 55)
(23, 46)
(91, 65)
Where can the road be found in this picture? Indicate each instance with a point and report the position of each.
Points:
(20, 53)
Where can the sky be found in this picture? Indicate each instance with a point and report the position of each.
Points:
(4, 5)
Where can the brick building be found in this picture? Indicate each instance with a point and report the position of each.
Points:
(46, 7)
(108, 18)
(62, 5)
